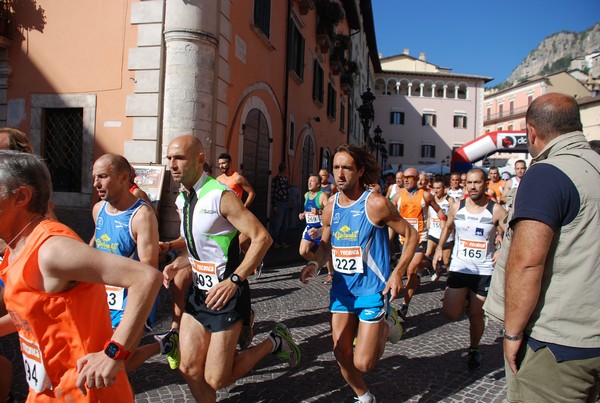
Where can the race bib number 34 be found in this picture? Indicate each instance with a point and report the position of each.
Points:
(204, 274)
(347, 260)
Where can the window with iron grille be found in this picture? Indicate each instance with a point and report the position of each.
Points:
(318, 83)
(342, 117)
(427, 151)
(63, 147)
(262, 16)
(396, 150)
(296, 50)
(331, 100)
(396, 118)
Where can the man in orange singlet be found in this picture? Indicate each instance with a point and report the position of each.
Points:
(234, 181)
(413, 204)
(495, 184)
(57, 301)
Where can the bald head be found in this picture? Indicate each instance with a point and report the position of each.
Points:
(118, 163)
(187, 142)
(186, 158)
(552, 115)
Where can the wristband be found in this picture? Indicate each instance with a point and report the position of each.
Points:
(513, 338)
(313, 263)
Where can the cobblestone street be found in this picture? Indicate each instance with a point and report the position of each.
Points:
(428, 365)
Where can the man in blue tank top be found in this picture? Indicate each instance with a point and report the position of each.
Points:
(355, 235)
(126, 226)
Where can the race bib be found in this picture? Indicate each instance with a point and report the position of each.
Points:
(35, 372)
(347, 260)
(204, 274)
(414, 222)
(312, 218)
(474, 251)
(115, 297)
(436, 223)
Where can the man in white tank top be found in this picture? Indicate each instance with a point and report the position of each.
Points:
(434, 226)
(509, 190)
(474, 221)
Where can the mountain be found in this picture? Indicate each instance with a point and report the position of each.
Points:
(555, 53)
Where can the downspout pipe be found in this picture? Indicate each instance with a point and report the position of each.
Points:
(287, 84)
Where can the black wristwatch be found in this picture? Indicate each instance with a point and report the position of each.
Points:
(235, 279)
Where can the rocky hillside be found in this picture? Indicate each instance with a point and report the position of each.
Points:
(555, 54)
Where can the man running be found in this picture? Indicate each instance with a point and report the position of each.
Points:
(56, 299)
(435, 227)
(474, 222)
(314, 202)
(127, 226)
(455, 190)
(395, 188)
(355, 236)
(495, 184)
(509, 190)
(413, 204)
(219, 297)
(325, 184)
(234, 181)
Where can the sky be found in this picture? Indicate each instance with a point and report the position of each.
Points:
(476, 37)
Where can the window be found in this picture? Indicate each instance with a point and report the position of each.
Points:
(427, 151)
(460, 121)
(510, 128)
(396, 118)
(318, 85)
(63, 147)
(292, 135)
(488, 112)
(262, 16)
(296, 50)
(396, 150)
(342, 117)
(429, 119)
(331, 100)
(511, 107)
(529, 99)
(500, 111)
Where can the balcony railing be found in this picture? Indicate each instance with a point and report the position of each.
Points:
(506, 114)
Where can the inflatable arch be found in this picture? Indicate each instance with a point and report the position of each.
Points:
(479, 148)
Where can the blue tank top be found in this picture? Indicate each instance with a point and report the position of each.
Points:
(313, 220)
(360, 250)
(113, 235)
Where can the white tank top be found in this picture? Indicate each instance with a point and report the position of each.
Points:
(435, 227)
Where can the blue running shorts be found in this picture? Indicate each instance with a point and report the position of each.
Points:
(368, 308)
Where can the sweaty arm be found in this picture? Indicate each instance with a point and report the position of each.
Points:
(243, 182)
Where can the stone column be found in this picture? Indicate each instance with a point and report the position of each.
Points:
(191, 46)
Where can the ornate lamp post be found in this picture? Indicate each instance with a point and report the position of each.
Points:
(366, 112)
(379, 143)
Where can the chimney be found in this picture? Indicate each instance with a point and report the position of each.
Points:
(422, 56)
(406, 51)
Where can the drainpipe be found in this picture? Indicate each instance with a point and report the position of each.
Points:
(161, 91)
(287, 82)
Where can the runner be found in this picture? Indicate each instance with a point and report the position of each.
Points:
(355, 233)
(55, 295)
(314, 202)
(474, 220)
(126, 225)
(219, 297)
(326, 185)
(435, 227)
(495, 184)
(413, 203)
(395, 188)
(510, 187)
(455, 190)
(234, 181)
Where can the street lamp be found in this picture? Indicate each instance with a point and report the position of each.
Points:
(378, 142)
(366, 112)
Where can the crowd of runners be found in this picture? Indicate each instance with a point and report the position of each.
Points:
(80, 318)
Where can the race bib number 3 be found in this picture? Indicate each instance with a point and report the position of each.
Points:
(204, 274)
(347, 260)
(115, 297)
(35, 372)
(473, 250)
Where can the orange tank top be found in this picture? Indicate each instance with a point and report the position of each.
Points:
(412, 209)
(56, 329)
(496, 187)
(230, 182)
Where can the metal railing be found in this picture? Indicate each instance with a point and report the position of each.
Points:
(506, 114)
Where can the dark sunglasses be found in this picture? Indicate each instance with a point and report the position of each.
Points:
(410, 177)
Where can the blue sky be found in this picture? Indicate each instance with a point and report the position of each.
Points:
(476, 37)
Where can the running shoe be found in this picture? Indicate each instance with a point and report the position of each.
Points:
(474, 359)
(287, 350)
(396, 328)
(169, 345)
(328, 279)
(403, 311)
(247, 333)
(373, 399)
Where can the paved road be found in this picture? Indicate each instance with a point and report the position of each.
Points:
(428, 365)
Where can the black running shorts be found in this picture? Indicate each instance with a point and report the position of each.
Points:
(477, 283)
